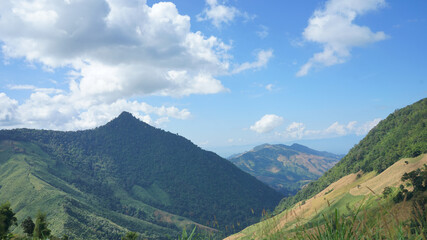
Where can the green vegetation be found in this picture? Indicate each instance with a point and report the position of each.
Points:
(198, 235)
(371, 219)
(37, 231)
(7, 219)
(417, 180)
(130, 236)
(186, 236)
(28, 226)
(402, 134)
(41, 229)
(125, 176)
(338, 226)
(285, 168)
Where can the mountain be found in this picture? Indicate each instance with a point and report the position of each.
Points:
(402, 134)
(395, 147)
(285, 168)
(125, 176)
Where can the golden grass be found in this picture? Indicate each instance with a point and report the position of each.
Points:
(391, 177)
(302, 213)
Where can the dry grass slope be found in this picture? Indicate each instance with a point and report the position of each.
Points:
(350, 188)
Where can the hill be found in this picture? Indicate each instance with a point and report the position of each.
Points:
(345, 195)
(285, 168)
(402, 134)
(397, 145)
(125, 176)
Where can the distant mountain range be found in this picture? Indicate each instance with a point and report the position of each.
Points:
(125, 176)
(285, 168)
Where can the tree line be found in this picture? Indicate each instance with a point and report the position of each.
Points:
(35, 230)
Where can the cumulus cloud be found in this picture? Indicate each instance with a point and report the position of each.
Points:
(7, 109)
(218, 14)
(116, 48)
(333, 27)
(295, 130)
(263, 57)
(64, 112)
(267, 123)
(352, 127)
(298, 130)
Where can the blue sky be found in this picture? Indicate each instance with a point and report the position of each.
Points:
(227, 75)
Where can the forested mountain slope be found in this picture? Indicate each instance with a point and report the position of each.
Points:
(127, 175)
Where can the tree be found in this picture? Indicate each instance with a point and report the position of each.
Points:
(40, 229)
(28, 226)
(387, 191)
(7, 219)
(130, 236)
(418, 179)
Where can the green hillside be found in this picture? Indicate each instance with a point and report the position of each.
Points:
(285, 168)
(402, 134)
(125, 176)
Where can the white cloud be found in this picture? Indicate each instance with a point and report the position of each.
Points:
(295, 130)
(366, 127)
(269, 87)
(336, 129)
(263, 57)
(7, 109)
(116, 48)
(298, 130)
(65, 112)
(218, 14)
(21, 87)
(352, 127)
(263, 33)
(34, 88)
(267, 123)
(334, 28)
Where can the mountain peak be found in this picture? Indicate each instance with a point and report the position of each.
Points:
(126, 115)
(297, 145)
(260, 147)
(126, 120)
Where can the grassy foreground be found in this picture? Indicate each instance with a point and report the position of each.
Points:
(358, 206)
